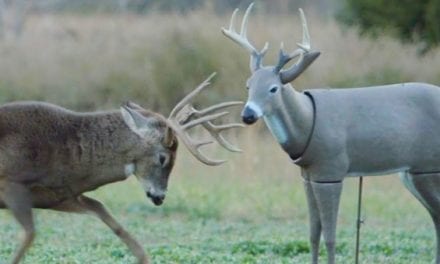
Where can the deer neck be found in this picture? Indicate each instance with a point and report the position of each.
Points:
(106, 149)
(291, 121)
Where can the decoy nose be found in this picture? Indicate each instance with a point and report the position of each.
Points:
(249, 116)
(249, 119)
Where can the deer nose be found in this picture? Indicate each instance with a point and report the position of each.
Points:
(156, 199)
(249, 116)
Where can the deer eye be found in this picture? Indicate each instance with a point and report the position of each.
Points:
(162, 159)
(273, 89)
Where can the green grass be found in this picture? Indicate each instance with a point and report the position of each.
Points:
(80, 239)
(250, 210)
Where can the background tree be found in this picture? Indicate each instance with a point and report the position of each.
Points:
(408, 20)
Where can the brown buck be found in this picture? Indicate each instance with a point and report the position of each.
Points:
(50, 156)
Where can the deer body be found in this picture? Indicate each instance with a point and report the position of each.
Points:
(373, 130)
(61, 154)
(365, 132)
(337, 133)
(50, 156)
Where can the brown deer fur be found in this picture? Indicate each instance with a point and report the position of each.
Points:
(49, 156)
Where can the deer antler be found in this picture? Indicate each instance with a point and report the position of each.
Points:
(184, 116)
(304, 46)
(306, 57)
(242, 40)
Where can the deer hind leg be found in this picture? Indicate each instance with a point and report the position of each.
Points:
(314, 221)
(84, 204)
(17, 199)
(426, 188)
(327, 196)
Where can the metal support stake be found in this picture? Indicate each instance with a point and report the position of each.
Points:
(359, 221)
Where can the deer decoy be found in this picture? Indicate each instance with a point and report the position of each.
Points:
(337, 133)
(50, 156)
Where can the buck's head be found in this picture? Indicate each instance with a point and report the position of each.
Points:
(158, 140)
(266, 83)
(157, 147)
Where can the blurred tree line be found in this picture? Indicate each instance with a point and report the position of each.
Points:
(182, 6)
(86, 71)
(408, 20)
(14, 13)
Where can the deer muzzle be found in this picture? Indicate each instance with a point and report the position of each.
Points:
(249, 115)
(157, 199)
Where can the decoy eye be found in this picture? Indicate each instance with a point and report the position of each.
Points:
(273, 89)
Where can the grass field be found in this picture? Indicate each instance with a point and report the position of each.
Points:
(250, 210)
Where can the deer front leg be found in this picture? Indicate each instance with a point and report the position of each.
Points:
(84, 204)
(327, 197)
(17, 198)
(425, 187)
(314, 221)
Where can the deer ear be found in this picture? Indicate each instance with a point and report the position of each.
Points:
(137, 123)
(134, 106)
(168, 139)
(295, 70)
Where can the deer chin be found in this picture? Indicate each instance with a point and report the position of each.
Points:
(157, 201)
(157, 197)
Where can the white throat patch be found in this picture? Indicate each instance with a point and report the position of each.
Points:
(276, 128)
(129, 169)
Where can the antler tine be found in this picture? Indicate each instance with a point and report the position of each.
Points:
(189, 112)
(187, 98)
(216, 107)
(203, 119)
(194, 149)
(244, 22)
(283, 58)
(232, 21)
(183, 117)
(304, 46)
(215, 131)
(193, 146)
(242, 40)
(304, 51)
